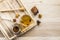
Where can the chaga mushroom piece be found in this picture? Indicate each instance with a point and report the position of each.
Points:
(14, 20)
(34, 10)
(38, 22)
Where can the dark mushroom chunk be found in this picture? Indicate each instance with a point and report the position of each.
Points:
(38, 22)
(14, 20)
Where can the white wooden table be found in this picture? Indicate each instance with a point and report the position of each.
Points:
(50, 22)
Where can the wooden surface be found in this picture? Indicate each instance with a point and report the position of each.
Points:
(50, 22)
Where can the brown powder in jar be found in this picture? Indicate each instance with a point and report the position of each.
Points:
(34, 10)
(15, 29)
